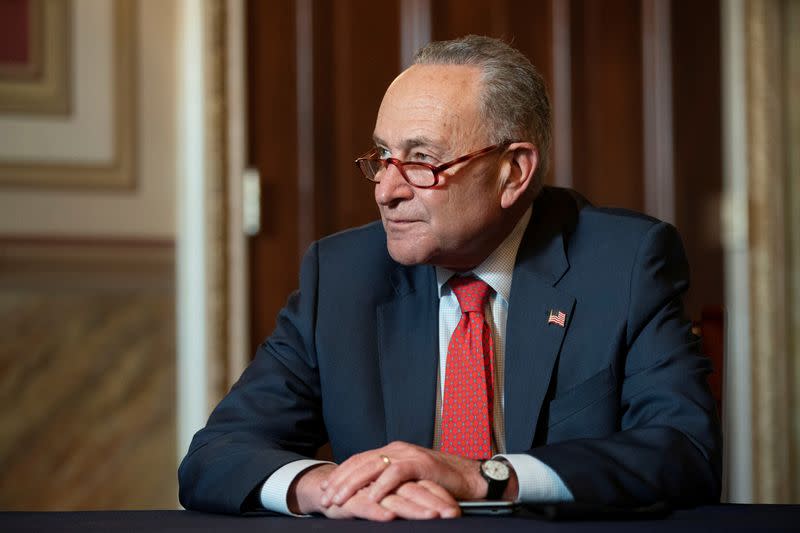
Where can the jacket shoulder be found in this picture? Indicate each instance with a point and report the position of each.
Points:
(368, 234)
(355, 257)
(577, 217)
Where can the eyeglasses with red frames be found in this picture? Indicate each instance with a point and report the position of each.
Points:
(417, 174)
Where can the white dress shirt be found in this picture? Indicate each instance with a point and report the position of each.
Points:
(537, 481)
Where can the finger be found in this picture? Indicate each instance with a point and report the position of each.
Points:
(444, 495)
(347, 479)
(354, 477)
(432, 496)
(393, 477)
(360, 507)
(371, 511)
(336, 475)
(408, 509)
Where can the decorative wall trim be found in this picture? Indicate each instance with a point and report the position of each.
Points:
(768, 230)
(216, 136)
(120, 172)
(42, 85)
(791, 84)
(86, 263)
(238, 332)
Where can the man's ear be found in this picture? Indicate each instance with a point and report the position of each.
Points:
(520, 178)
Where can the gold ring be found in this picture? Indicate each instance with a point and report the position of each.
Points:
(386, 460)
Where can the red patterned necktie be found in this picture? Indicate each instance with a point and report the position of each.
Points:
(469, 379)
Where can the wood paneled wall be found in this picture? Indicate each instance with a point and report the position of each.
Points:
(635, 86)
(87, 376)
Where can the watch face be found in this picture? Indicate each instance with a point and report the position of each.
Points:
(495, 470)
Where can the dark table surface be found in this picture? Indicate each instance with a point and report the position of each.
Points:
(702, 519)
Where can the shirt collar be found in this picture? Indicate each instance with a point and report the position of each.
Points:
(497, 269)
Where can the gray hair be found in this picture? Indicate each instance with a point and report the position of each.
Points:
(514, 101)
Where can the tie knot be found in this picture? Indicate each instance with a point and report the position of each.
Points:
(471, 292)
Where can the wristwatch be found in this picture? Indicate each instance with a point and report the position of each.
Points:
(497, 474)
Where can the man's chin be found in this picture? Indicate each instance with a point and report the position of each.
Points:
(407, 255)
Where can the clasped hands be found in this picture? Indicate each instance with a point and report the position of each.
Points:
(400, 480)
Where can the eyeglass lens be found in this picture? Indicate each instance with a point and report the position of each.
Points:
(418, 175)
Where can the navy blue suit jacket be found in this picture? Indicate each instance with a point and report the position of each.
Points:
(616, 402)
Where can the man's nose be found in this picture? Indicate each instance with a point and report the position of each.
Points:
(393, 187)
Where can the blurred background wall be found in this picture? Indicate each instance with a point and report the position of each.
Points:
(140, 264)
(87, 254)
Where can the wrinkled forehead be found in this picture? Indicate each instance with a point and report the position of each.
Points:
(438, 102)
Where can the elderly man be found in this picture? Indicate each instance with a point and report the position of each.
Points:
(489, 338)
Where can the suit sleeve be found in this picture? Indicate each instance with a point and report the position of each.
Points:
(668, 447)
(271, 416)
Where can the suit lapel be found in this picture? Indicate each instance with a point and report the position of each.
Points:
(408, 355)
(533, 344)
(532, 347)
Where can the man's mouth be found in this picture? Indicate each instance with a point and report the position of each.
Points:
(399, 225)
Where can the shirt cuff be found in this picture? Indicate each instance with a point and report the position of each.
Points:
(538, 483)
(275, 490)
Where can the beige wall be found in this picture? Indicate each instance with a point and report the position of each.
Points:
(147, 211)
(87, 290)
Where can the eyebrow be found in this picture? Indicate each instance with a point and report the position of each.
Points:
(409, 144)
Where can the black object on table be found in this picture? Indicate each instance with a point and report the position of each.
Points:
(702, 519)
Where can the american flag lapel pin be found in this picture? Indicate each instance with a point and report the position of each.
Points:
(557, 317)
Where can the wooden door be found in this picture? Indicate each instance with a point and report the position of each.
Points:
(317, 73)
